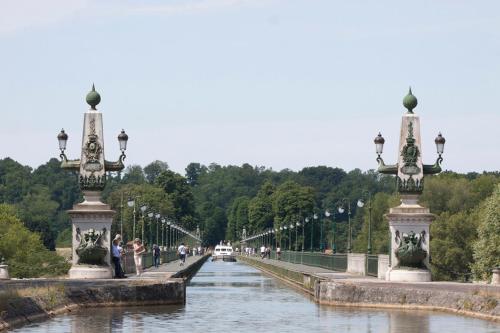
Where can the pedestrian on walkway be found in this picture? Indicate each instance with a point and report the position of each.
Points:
(138, 251)
(156, 255)
(278, 252)
(268, 252)
(117, 251)
(262, 251)
(182, 254)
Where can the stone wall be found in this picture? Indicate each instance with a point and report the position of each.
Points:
(23, 301)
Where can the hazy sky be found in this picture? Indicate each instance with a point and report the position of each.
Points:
(279, 83)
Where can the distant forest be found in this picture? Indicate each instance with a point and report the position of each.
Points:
(222, 200)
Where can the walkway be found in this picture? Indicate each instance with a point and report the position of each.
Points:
(165, 271)
(492, 290)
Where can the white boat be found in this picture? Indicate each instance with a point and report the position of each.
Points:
(223, 253)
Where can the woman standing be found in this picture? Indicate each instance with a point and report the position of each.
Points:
(138, 251)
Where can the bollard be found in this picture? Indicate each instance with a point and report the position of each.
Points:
(4, 270)
(495, 278)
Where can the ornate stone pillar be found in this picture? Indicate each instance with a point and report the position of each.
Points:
(409, 223)
(91, 220)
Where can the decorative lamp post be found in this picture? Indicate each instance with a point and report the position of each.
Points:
(131, 203)
(157, 215)
(409, 223)
(169, 242)
(361, 204)
(150, 238)
(334, 242)
(163, 233)
(342, 203)
(143, 212)
(91, 220)
(285, 228)
(290, 235)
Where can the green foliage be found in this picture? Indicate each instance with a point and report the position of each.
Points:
(237, 218)
(180, 194)
(381, 202)
(24, 252)
(452, 237)
(154, 169)
(64, 238)
(260, 209)
(487, 247)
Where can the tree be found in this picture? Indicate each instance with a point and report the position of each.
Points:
(193, 173)
(154, 169)
(23, 250)
(179, 192)
(134, 174)
(487, 247)
(38, 212)
(237, 218)
(15, 180)
(260, 209)
(452, 237)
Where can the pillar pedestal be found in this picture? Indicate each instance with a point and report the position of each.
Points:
(407, 218)
(91, 218)
(4, 272)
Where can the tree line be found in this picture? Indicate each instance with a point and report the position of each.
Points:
(222, 200)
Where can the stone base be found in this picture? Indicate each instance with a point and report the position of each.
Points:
(4, 272)
(90, 272)
(409, 275)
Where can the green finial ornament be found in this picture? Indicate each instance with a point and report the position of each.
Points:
(93, 98)
(410, 102)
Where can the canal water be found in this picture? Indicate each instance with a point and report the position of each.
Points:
(234, 297)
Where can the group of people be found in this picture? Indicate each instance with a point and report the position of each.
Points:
(117, 252)
(265, 252)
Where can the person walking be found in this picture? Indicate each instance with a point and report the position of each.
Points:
(278, 252)
(262, 252)
(138, 251)
(117, 251)
(182, 254)
(156, 255)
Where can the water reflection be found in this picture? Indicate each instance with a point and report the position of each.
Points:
(233, 297)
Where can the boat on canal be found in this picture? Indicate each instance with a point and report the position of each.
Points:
(223, 253)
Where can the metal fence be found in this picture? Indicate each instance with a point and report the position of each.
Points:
(372, 265)
(128, 263)
(336, 262)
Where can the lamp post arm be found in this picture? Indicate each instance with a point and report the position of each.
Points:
(391, 169)
(115, 166)
(435, 168)
(72, 165)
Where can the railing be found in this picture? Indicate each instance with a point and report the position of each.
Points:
(128, 263)
(336, 262)
(372, 265)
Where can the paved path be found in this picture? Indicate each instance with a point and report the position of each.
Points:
(474, 288)
(165, 271)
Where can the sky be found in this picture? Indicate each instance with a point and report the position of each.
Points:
(274, 83)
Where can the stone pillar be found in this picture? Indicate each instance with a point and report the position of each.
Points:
(4, 272)
(356, 263)
(91, 218)
(405, 219)
(495, 278)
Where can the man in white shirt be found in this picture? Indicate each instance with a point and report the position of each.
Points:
(262, 251)
(182, 254)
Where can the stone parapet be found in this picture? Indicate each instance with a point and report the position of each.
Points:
(356, 263)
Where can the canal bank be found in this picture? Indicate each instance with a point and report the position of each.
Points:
(349, 290)
(26, 300)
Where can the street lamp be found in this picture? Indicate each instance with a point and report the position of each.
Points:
(342, 203)
(163, 233)
(150, 240)
(157, 215)
(334, 242)
(169, 243)
(361, 204)
(143, 212)
(285, 228)
(131, 203)
(290, 236)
